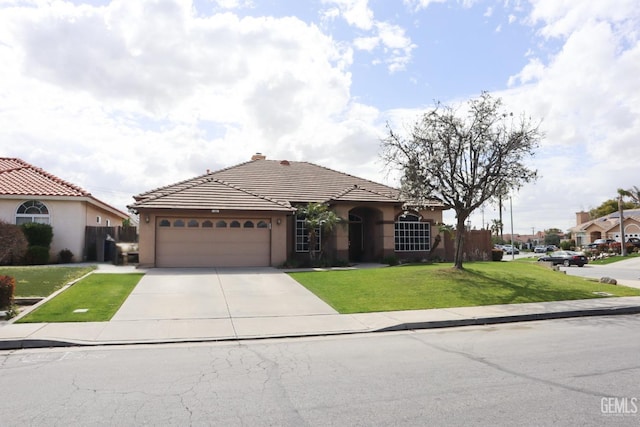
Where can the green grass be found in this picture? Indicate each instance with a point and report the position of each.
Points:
(42, 281)
(612, 259)
(101, 294)
(440, 286)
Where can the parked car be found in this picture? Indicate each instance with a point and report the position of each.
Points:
(634, 241)
(566, 258)
(540, 249)
(508, 249)
(599, 242)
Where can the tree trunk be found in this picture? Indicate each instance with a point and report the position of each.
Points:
(312, 245)
(436, 243)
(460, 234)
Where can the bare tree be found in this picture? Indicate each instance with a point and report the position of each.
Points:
(464, 159)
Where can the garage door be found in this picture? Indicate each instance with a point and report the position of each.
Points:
(193, 242)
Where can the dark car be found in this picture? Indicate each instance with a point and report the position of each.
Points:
(634, 241)
(599, 242)
(566, 258)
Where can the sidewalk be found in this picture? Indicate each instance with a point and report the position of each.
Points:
(118, 332)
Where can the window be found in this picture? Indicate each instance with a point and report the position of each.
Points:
(32, 211)
(207, 224)
(98, 220)
(165, 223)
(221, 224)
(178, 223)
(411, 234)
(248, 224)
(108, 222)
(193, 223)
(302, 236)
(262, 224)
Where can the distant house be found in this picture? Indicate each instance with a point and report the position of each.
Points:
(245, 215)
(606, 227)
(30, 194)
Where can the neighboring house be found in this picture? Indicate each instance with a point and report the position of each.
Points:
(245, 215)
(30, 194)
(606, 227)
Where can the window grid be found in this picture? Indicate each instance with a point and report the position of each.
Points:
(32, 211)
(302, 236)
(411, 235)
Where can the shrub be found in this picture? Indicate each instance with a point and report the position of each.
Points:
(38, 234)
(566, 245)
(13, 243)
(391, 260)
(7, 290)
(37, 255)
(496, 254)
(65, 256)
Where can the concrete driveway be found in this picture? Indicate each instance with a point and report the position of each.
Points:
(626, 272)
(218, 293)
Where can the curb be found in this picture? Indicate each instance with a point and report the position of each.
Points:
(29, 343)
(479, 321)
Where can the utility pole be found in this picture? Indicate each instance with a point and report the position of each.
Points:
(623, 250)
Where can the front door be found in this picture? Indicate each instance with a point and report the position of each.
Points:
(356, 242)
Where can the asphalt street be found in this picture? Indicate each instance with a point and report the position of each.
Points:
(569, 372)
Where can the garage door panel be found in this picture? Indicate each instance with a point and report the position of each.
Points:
(212, 247)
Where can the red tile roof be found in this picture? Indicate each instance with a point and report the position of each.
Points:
(19, 178)
(273, 184)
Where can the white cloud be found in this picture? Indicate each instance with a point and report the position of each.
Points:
(134, 95)
(396, 47)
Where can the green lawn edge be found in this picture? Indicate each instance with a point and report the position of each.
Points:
(42, 281)
(418, 287)
(100, 294)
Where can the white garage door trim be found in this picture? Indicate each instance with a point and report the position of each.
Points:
(213, 242)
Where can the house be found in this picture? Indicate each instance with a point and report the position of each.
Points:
(30, 194)
(607, 227)
(245, 215)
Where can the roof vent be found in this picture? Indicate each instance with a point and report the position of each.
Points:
(285, 163)
(258, 156)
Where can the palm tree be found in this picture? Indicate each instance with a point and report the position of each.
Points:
(633, 193)
(318, 218)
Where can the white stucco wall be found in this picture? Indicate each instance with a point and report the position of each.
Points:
(68, 218)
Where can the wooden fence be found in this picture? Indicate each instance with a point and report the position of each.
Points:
(99, 242)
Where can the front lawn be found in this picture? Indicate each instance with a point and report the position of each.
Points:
(96, 298)
(612, 259)
(42, 281)
(419, 287)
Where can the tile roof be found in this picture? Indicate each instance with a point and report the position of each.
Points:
(281, 183)
(211, 193)
(19, 178)
(608, 222)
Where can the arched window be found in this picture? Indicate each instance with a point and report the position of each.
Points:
(164, 223)
(248, 224)
(221, 224)
(234, 224)
(193, 223)
(207, 224)
(411, 234)
(32, 211)
(262, 224)
(178, 223)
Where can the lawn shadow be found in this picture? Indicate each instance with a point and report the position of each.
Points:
(504, 291)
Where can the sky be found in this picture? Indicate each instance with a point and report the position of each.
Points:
(121, 97)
